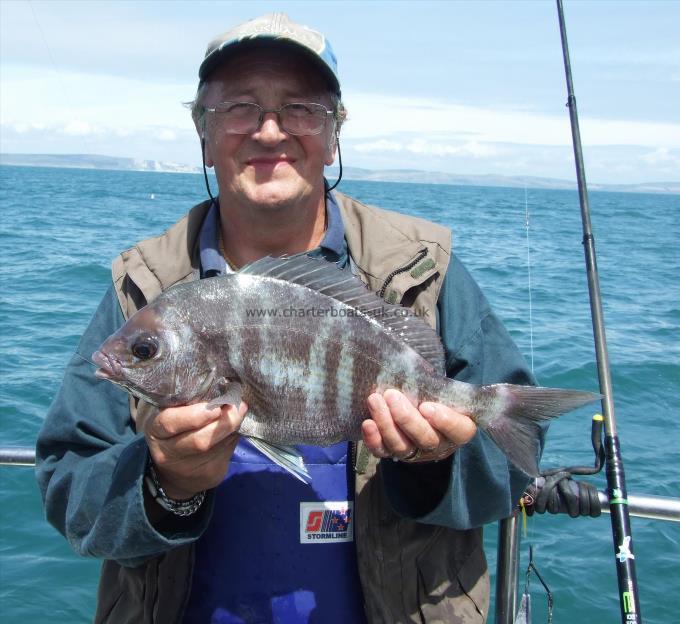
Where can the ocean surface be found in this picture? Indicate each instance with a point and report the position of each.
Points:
(60, 228)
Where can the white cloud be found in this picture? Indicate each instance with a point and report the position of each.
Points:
(76, 137)
(604, 164)
(471, 148)
(381, 145)
(662, 156)
(375, 115)
(428, 146)
(78, 128)
(76, 113)
(19, 127)
(95, 99)
(165, 134)
(124, 105)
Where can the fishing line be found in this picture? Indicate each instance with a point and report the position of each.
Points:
(553, 486)
(55, 68)
(531, 324)
(531, 315)
(523, 615)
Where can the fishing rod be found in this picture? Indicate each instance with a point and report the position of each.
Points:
(616, 481)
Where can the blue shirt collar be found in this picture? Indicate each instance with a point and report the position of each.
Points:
(334, 239)
(213, 262)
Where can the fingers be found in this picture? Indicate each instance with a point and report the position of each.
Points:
(192, 446)
(203, 439)
(188, 419)
(175, 420)
(392, 415)
(184, 476)
(373, 439)
(454, 426)
(398, 429)
(410, 421)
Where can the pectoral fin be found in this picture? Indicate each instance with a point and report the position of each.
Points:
(230, 394)
(288, 457)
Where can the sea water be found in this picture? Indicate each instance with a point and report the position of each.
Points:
(60, 228)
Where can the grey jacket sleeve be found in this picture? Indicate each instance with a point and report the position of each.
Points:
(91, 462)
(477, 485)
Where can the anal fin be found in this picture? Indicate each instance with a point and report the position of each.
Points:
(288, 457)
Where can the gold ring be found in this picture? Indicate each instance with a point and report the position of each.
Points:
(413, 455)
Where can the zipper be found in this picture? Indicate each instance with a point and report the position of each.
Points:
(421, 254)
(353, 454)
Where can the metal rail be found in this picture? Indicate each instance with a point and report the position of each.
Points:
(507, 570)
(655, 507)
(507, 564)
(17, 456)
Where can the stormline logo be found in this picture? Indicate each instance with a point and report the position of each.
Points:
(333, 312)
(326, 522)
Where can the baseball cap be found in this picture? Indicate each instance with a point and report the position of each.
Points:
(274, 28)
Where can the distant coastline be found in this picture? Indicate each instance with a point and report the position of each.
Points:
(95, 161)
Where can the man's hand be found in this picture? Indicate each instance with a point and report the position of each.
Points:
(400, 429)
(191, 446)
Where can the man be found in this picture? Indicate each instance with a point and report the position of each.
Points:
(194, 525)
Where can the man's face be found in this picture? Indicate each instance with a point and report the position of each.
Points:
(268, 168)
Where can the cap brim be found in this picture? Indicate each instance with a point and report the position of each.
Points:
(220, 55)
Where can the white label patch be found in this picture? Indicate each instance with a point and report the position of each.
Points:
(326, 522)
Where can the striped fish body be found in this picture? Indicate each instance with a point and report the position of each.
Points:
(307, 362)
(304, 344)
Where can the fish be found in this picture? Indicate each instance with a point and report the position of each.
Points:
(304, 343)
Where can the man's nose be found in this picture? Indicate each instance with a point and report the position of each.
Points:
(271, 131)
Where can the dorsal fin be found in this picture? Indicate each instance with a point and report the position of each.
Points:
(326, 278)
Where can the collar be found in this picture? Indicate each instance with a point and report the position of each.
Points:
(213, 262)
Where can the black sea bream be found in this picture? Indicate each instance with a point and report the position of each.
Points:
(304, 344)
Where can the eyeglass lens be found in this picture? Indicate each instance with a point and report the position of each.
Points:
(246, 117)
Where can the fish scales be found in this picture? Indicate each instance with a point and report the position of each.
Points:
(304, 356)
(287, 403)
(292, 403)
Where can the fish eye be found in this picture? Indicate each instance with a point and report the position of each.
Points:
(145, 348)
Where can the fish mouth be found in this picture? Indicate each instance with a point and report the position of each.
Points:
(112, 370)
(109, 367)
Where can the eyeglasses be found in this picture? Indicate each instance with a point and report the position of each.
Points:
(298, 118)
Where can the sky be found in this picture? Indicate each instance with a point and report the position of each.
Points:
(469, 88)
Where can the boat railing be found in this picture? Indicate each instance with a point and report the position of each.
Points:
(507, 562)
(17, 456)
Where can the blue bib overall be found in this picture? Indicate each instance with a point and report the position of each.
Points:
(277, 550)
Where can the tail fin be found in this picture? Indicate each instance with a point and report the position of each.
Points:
(515, 425)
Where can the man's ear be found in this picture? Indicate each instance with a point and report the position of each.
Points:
(332, 148)
(205, 148)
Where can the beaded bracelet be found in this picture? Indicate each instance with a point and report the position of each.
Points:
(177, 507)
